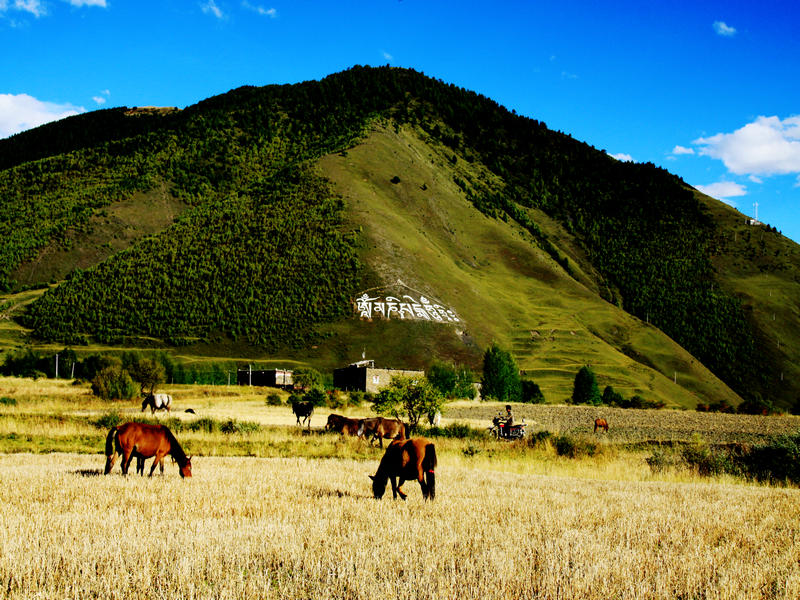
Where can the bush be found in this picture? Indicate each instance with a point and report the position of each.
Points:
(356, 398)
(776, 460)
(233, 426)
(274, 399)
(6, 401)
(316, 396)
(456, 430)
(114, 383)
(107, 421)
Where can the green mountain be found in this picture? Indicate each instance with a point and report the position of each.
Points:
(262, 223)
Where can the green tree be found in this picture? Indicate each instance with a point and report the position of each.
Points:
(585, 390)
(148, 373)
(442, 376)
(307, 378)
(465, 386)
(611, 397)
(408, 399)
(500, 375)
(531, 392)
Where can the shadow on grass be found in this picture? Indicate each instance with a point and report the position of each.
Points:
(316, 492)
(88, 472)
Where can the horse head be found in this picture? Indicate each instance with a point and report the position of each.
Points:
(186, 468)
(378, 486)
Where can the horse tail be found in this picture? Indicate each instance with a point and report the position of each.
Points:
(429, 464)
(111, 449)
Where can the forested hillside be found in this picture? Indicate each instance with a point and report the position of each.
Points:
(264, 254)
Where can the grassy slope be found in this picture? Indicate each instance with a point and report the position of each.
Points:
(110, 230)
(761, 267)
(501, 284)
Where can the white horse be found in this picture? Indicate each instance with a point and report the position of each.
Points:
(156, 402)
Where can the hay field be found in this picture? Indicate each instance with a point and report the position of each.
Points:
(308, 528)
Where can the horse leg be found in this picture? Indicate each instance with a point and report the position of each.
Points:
(400, 491)
(158, 460)
(140, 465)
(126, 461)
(110, 463)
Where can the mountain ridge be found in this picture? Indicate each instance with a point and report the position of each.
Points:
(634, 235)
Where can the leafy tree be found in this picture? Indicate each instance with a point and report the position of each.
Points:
(585, 390)
(500, 375)
(409, 399)
(611, 397)
(442, 376)
(307, 378)
(465, 387)
(531, 392)
(148, 373)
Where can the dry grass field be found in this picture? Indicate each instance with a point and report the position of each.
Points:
(300, 528)
(273, 512)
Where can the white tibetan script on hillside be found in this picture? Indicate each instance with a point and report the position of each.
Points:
(405, 307)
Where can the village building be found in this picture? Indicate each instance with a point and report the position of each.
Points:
(363, 376)
(279, 378)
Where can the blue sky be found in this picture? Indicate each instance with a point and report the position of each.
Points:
(708, 90)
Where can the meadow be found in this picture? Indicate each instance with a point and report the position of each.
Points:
(275, 512)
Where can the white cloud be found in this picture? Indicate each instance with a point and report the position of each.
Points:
(622, 156)
(677, 150)
(724, 29)
(99, 100)
(21, 111)
(211, 8)
(34, 7)
(767, 146)
(723, 190)
(387, 56)
(264, 12)
(79, 3)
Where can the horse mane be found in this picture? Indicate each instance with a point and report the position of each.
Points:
(175, 448)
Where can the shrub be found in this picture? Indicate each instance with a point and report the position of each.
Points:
(107, 421)
(776, 460)
(233, 426)
(356, 398)
(273, 399)
(114, 383)
(6, 401)
(204, 424)
(456, 430)
(573, 447)
(316, 396)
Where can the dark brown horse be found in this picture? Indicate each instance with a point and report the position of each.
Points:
(144, 441)
(379, 428)
(303, 410)
(600, 424)
(407, 460)
(342, 424)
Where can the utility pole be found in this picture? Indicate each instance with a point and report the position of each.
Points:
(56, 365)
(250, 375)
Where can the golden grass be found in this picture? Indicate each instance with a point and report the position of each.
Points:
(298, 528)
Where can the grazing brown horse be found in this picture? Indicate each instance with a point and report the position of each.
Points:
(143, 441)
(379, 428)
(343, 425)
(600, 424)
(407, 460)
